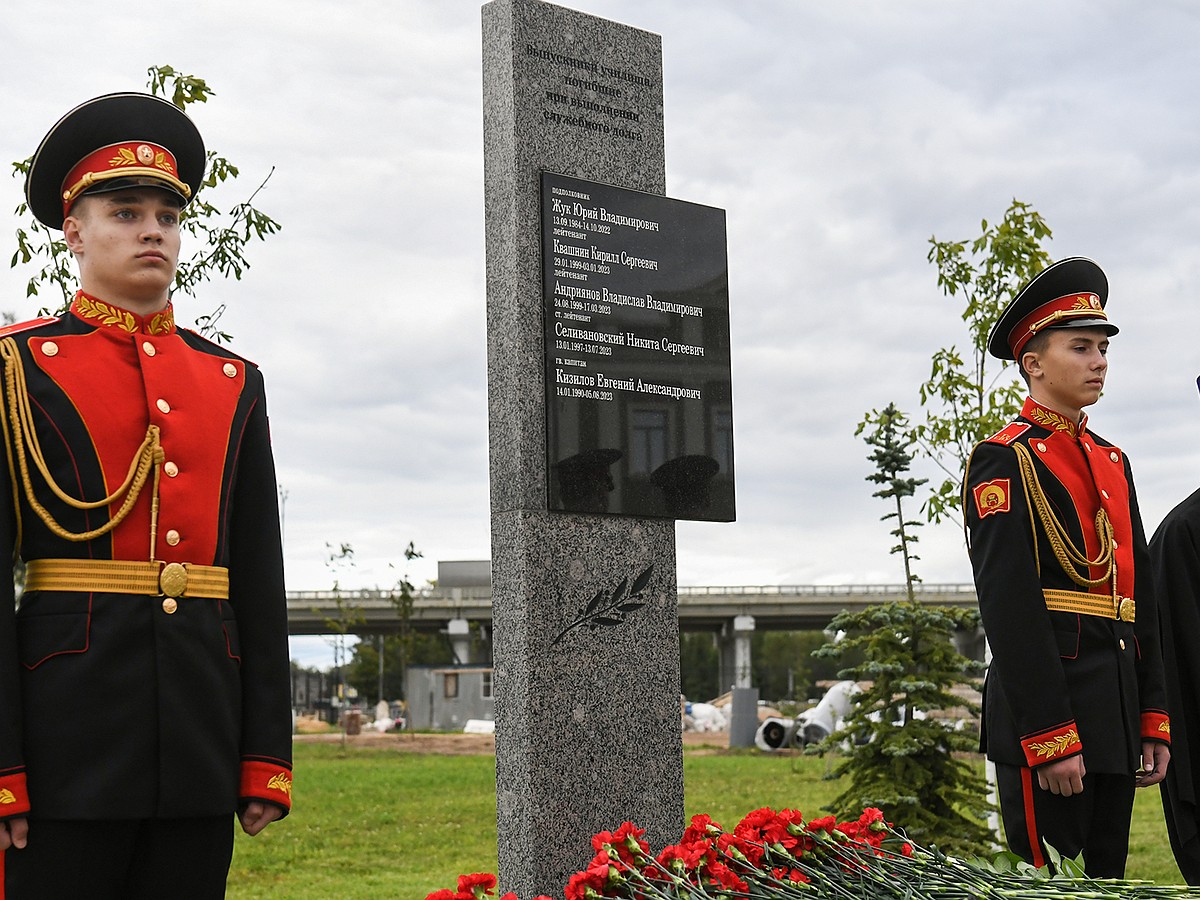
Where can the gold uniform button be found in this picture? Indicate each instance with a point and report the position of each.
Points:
(170, 604)
(148, 348)
(50, 348)
(173, 537)
(171, 469)
(1041, 447)
(230, 370)
(163, 405)
(1114, 457)
(1087, 446)
(1104, 494)
(1122, 643)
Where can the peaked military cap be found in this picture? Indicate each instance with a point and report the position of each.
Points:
(110, 143)
(1070, 293)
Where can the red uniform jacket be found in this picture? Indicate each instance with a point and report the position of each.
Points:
(113, 705)
(1062, 683)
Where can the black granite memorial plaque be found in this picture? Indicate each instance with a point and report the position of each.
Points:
(639, 407)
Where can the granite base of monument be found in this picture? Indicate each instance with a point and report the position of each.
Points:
(587, 675)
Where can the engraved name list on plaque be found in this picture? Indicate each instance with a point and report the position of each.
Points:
(639, 403)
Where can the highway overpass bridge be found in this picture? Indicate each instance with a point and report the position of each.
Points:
(731, 614)
(775, 607)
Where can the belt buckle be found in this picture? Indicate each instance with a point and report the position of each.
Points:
(1127, 609)
(173, 580)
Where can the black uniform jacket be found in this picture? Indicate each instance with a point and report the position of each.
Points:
(1175, 551)
(119, 705)
(1062, 683)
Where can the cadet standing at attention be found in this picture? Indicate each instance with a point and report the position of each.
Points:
(1074, 706)
(144, 679)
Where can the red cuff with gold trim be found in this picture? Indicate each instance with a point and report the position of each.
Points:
(1052, 744)
(1156, 726)
(269, 780)
(14, 796)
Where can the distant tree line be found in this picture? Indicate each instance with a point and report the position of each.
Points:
(782, 665)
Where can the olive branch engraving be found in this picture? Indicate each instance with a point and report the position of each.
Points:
(607, 610)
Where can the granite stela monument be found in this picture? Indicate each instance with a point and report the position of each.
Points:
(638, 399)
(585, 627)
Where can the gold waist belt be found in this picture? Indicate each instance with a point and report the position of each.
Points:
(120, 576)
(1102, 605)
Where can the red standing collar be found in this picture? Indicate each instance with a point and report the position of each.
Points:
(105, 315)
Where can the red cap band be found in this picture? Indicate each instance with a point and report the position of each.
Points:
(133, 159)
(1070, 306)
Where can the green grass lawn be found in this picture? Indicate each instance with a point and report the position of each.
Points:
(376, 823)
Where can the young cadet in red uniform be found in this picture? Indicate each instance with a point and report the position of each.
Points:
(144, 685)
(1074, 700)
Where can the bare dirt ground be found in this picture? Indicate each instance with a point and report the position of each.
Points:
(455, 744)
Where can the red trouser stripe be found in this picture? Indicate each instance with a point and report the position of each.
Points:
(1035, 843)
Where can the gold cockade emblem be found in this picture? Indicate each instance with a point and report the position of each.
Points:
(142, 156)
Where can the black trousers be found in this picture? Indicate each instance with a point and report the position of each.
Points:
(1094, 823)
(122, 859)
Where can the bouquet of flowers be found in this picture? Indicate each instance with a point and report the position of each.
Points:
(778, 856)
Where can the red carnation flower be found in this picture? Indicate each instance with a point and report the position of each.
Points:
(478, 885)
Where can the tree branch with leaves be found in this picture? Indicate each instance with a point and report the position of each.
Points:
(967, 396)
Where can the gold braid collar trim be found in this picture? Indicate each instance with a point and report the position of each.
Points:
(92, 310)
(98, 312)
(1052, 420)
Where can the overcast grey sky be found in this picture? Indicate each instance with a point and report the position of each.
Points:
(838, 136)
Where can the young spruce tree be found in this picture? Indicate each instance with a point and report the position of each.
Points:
(903, 758)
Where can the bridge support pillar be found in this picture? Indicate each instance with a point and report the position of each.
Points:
(459, 631)
(735, 652)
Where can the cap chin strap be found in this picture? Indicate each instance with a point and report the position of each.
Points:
(1059, 314)
(89, 179)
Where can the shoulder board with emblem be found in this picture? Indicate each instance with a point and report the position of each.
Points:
(19, 327)
(1009, 433)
